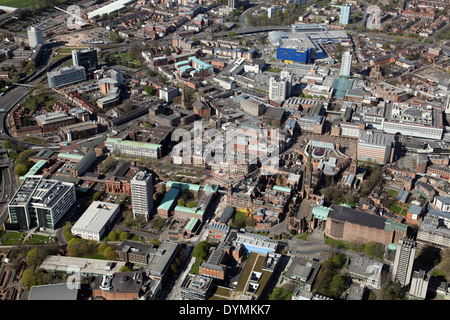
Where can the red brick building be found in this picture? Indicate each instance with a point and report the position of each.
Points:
(344, 223)
(201, 109)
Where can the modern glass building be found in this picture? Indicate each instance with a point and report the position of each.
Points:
(86, 58)
(41, 203)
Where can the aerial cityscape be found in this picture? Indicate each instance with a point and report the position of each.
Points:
(226, 150)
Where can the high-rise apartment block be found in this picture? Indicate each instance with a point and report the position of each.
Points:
(346, 64)
(404, 260)
(345, 13)
(280, 87)
(142, 194)
(35, 37)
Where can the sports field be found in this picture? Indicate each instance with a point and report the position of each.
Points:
(18, 3)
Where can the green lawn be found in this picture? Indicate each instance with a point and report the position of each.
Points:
(11, 238)
(38, 239)
(18, 3)
(399, 208)
(393, 193)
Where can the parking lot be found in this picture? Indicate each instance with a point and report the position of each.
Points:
(92, 36)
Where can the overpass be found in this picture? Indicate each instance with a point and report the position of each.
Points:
(4, 158)
(251, 30)
(23, 85)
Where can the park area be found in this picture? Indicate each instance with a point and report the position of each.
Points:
(15, 238)
(19, 3)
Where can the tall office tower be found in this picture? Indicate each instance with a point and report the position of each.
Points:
(35, 37)
(404, 260)
(346, 64)
(86, 58)
(142, 194)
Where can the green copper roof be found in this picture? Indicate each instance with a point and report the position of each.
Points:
(191, 224)
(282, 189)
(70, 156)
(169, 198)
(183, 185)
(391, 225)
(321, 212)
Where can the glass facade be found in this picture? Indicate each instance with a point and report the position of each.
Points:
(85, 58)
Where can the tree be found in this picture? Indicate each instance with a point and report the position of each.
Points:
(32, 278)
(113, 236)
(114, 37)
(107, 165)
(20, 170)
(66, 230)
(191, 204)
(124, 235)
(28, 279)
(101, 248)
(6, 144)
(201, 250)
(149, 90)
(337, 285)
(110, 253)
(155, 242)
(32, 258)
(125, 269)
(181, 202)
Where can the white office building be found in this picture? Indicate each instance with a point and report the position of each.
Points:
(65, 76)
(142, 194)
(35, 37)
(96, 221)
(134, 149)
(346, 64)
(41, 203)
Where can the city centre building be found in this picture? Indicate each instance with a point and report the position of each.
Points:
(41, 203)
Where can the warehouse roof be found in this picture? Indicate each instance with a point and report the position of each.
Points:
(60, 291)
